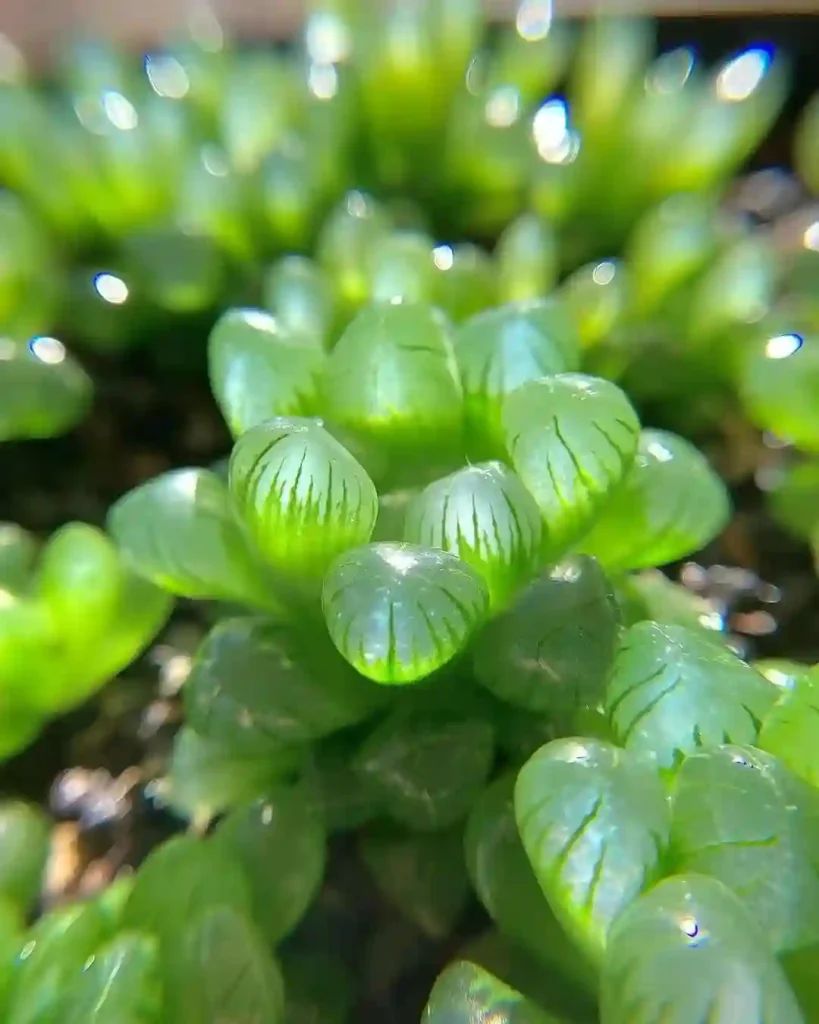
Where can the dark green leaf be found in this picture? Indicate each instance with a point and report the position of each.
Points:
(18, 550)
(398, 612)
(24, 846)
(673, 690)
(553, 648)
(594, 821)
(467, 994)
(319, 989)
(688, 951)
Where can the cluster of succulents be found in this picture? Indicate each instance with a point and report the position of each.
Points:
(433, 288)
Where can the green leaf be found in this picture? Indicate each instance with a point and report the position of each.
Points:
(343, 798)
(673, 690)
(783, 673)
(280, 844)
(689, 951)
(571, 439)
(402, 268)
(467, 994)
(207, 778)
(392, 378)
(398, 612)
(670, 505)
(595, 296)
(24, 845)
(742, 817)
(652, 595)
(18, 551)
(43, 392)
(118, 985)
(427, 768)
(506, 885)
(254, 688)
(465, 283)
(299, 295)
(500, 349)
(527, 259)
(319, 989)
(226, 972)
(553, 648)
(422, 875)
(790, 730)
(302, 496)
(794, 500)
(344, 243)
(260, 369)
(594, 822)
(485, 516)
(179, 531)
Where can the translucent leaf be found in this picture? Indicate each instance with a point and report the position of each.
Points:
(671, 504)
(18, 551)
(782, 673)
(119, 985)
(43, 392)
(673, 690)
(24, 845)
(226, 972)
(571, 439)
(280, 844)
(790, 730)
(422, 875)
(178, 531)
(779, 381)
(485, 516)
(392, 378)
(465, 283)
(742, 817)
(688, 950)
(594, 822)
(302, 495)
(344, 242)
(402, 268)
(207, 778)
(427, 768)
(527, 259)
(260, 369)
(398, 612)
(552, 649)
(806, 145)
(506, 886)
(467, 994)
(299, 294)
(254, 687)
(595, 296)
(500, 349)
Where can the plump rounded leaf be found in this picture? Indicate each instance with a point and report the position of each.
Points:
(260, 369)
(742, 817)
(43, 391)
(595, 297)
(465, 283)
(779, 381)
(402, 268)
(179, 531)
(506, 886)
(427, 768)
(280, 844)
(24, 846)
(485, 516)
(527, 259)
(670, 504)
(502, 348)
(392, 378)
(344, 799)
(594, 823)
(688, 951)
(571, 439)
(302, 495)
(790, 730)
(254, 687)
(398, 612)
(794, 500)
(467, 994)
(118, 985)
(673, 690)
(344, 242)
(422, 875)
(225, 971)
(18, 551)
(552, 649)
(299, 294)
(652, 595)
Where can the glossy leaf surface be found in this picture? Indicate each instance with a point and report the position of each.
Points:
(552, 649)
(467, 994)
(526, 257)
(260, 369)
(571, 439)
(485, 516)
(670, 504)
(179, 531)
(742, 817)
(280, 844)
(790, 730)
(595, 296)
(302, 495)
(118, 985)
(594, 822)
(672, 691)
(690, 951)
(299, 294)
(427, 768)
(398, 612)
